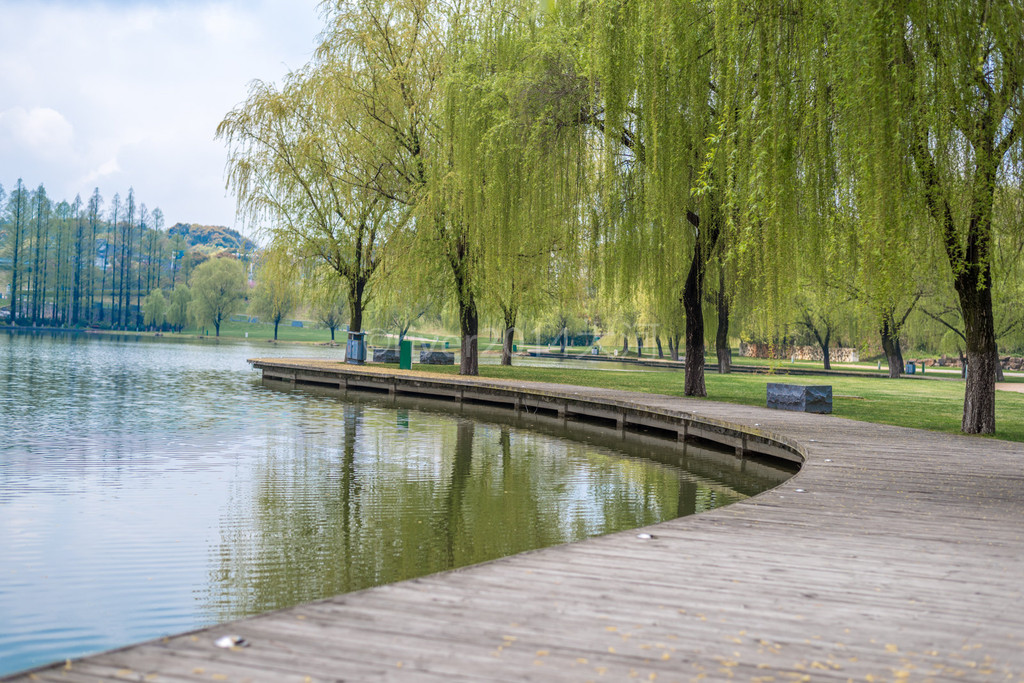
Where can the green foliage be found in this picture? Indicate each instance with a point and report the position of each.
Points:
(211, 239)
(276, 292)
(178, 307)
(154, 308)
(312, 160)
(217, 287)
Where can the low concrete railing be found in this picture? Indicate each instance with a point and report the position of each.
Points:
(534, 398)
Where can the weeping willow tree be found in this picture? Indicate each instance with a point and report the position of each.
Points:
(954, 73)
(306, 162)
(277, 291)
(513, 94)
(656, 77)
(885, 125)
(399, 53)
(479, 174)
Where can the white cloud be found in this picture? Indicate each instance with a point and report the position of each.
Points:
(41, 131)
(130, 93)
(107, 168)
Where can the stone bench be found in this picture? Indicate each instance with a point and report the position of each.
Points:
(385, 356)
(437, 358)
(801, 398)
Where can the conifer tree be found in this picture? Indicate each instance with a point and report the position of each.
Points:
(17, 210)
(94, 212)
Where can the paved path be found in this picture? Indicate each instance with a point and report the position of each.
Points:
(895, 554)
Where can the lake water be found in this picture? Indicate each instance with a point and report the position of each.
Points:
(153, 486)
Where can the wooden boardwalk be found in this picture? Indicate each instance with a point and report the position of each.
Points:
(894, 555)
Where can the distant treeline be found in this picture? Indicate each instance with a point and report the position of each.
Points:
(87, 263)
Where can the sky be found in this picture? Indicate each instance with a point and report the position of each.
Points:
(128, 93)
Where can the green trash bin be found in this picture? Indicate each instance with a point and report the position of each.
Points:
(405, 355)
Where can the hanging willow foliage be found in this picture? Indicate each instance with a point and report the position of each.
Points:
(513, 176)
(879, 134)
(656, 80)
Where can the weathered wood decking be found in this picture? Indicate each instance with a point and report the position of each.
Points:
(895, 554)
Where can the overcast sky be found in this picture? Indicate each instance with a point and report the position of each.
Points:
(128, 93)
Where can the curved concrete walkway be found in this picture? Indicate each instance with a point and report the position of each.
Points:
(895, 554)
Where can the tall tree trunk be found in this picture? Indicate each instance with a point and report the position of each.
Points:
(625, 345)
(19, 215)
(160, 264)
(979, 330)
(469, 325)
(639, 346)
(657, 341)
(37, 266)
(55, 315)
(127, 284)
(357, 287)
(150, 260)
(693, 295)
(76, 295)
(891, 346)
(722, 349)
(45, 277)
(693, 303)
(112, 248)
(508, 317)
(138, 289)
(508, 336)
(564, 340)
(93, 220)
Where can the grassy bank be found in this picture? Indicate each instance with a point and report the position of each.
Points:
(921, 402)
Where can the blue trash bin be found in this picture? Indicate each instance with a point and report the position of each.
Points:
(355, 350)
(911, 368)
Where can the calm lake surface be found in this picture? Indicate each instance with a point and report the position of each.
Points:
(150, 486)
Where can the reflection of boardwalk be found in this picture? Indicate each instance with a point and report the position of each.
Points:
(895, 554)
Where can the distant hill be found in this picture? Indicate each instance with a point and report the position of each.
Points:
(212, 238)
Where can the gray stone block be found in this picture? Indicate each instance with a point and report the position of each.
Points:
(805, 399)
(385, 355)
(437, 358)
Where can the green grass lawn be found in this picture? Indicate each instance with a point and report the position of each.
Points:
(264, 331)
(921, 402)
(932, 401)
(309, 333)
